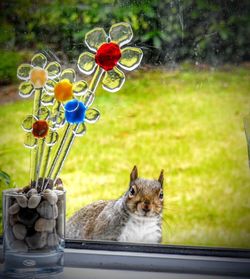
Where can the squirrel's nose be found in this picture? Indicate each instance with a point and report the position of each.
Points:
(146, 207)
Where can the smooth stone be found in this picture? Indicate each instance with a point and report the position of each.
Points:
(60, 221)
(46, 210)
(61, 206)
(37, 241)
(45, 225)
(42, 183)
(26, 189)
(19, 190)
(59, 188)
(60, 194)
(14, 209)
(50, 196)
(19, 246)
(53, 239)
(27, 216)
(13, 219)
(22, 201)
(34, 201)
(60, 225)
(19, 231)
(32, 192)
(58, 182)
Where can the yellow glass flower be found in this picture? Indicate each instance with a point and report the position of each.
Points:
(59, 91)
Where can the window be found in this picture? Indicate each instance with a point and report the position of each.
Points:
(182, 111)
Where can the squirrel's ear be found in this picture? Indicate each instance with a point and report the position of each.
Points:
(161, 178)
(134, 174)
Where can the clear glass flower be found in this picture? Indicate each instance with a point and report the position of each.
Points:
(77, 113)
(37, 75)
(59, 91)
(39, 128)
(109, 55)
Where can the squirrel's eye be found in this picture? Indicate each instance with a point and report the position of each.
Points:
(132, 191)
(161, 196)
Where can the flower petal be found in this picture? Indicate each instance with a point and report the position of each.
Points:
(86, 63)
(60, 119)
(30, 141)
(26, 89)
(69, 74)
(43, 113)
(113, 80)
(88, 98)
(79, 129)
(95, 38)
(39, 60)
(49, 86)
(131, 58)
(92, 115)
(28, 122)
(51, 138)
(121, 33)
(80, 87)
(23, 71)
(47, 99)
(57, 115)
(53, 69)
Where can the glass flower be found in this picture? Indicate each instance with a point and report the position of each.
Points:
(77, 112)
(109, 55)
(37, 75)
(39, 128)
(61, 90)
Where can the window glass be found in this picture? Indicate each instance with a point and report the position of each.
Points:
(182, 110)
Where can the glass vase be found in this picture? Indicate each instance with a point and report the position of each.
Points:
(34, 228)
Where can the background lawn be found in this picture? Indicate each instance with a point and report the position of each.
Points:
(190, 123)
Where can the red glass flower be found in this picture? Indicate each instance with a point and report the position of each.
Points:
(40, 129)
(107, 56)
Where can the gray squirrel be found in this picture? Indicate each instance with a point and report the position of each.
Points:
(135, 217)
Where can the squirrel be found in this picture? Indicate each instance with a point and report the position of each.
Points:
(135, 217)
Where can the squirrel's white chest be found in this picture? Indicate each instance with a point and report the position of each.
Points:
(141, 229)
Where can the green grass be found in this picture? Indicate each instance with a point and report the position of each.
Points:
(189, 123)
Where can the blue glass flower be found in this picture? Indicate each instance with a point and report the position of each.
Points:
(75, 112)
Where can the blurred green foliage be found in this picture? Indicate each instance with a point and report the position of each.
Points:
(8, 66)
(169, 30)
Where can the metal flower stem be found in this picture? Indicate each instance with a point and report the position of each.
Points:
(33, 158)
(48, 149)
(64, 146)
(96, 79)
(40, 151)
(59, 150)
(34, 152)
(37, 101)
(64, 153)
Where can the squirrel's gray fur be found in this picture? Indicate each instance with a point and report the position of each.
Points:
(106, 220)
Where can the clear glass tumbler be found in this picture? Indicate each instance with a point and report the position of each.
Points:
(34, 228)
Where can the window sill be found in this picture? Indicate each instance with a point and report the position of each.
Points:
(95, 259)
(158, 258)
